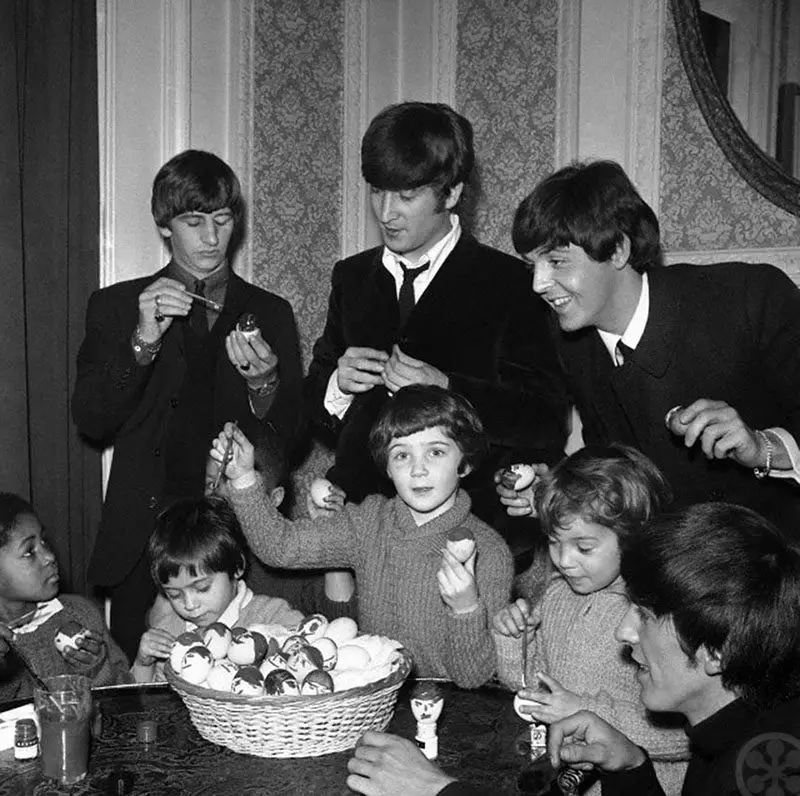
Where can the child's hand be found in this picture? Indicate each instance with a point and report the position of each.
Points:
(519, 503)
(457, 582)
(550, 704)
(514, 619)
(321, 503)
(240, 464)
(154, 646)
(90, 654)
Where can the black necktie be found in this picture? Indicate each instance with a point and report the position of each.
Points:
(405, 299)
(623, 353)
(198, 317)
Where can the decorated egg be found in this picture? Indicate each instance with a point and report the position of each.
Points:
(292, 644)
(248, 324)
(352, 657)
(303, 661)
(247, 646)
(329, 650)
(181, 645)
(220, 678)
(461, 543)
(518, 476)
(196, 664)
(217, 638)
(248, 681)
(319, 490)
(341, 630)
(426, 701)
(279, 632)
(281, 682)
(316, 683)
(68, 636)
(313, 627)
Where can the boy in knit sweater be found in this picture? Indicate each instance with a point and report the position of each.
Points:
(588, 504)
(32, 615)
(197, 559)
(411, 587)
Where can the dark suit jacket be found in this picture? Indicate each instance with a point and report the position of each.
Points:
(728, 332)
(118, 402)
(478, 322)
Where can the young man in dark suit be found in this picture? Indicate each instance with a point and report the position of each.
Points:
(432, 305)
(697, 366)
(163, 367)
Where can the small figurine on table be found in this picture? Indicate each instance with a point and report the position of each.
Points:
(426, 705)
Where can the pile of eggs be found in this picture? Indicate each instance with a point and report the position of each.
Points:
(316, 657)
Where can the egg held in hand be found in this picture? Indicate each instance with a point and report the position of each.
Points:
(518, 476)
(461, 543)
(319, 490)
(69, 635)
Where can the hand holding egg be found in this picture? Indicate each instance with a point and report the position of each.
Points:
(81, 647)
(514, 485)
(324, 498)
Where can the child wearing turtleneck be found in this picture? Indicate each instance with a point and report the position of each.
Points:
(587, 505)
(411, 586)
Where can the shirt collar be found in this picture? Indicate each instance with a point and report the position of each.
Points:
(716, 733)
(436, 255)
(636, 326)
(217, 279)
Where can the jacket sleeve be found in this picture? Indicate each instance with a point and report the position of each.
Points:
(471, 656)
(639, 781)
(109, 383)
(325, 357)
(523, 404)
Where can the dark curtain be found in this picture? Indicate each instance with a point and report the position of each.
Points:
(49, 263)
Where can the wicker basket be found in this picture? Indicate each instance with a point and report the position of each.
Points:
(291, 726)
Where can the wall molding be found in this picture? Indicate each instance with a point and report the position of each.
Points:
(445, 50)
(176, 86)
(354, 210)
(785, 258)
(568, 65)
(645, 72)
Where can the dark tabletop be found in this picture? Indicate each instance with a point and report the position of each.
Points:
(478, 742)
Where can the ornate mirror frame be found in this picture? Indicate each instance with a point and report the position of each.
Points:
(757, 168)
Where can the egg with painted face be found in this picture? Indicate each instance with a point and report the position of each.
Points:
(196, 665)
(69, 635)
(319, 490)
(220, 678)
(329, 650)
(217, 637)
(341, 630)
(522, 476)
(248, 681)
(281, 683)
(303, 661)
(292, 644)
(313, 627)
(317, 683)
(181, 646)
(248, 647)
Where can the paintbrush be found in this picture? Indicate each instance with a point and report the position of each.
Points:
(208, 302)
(226, 458)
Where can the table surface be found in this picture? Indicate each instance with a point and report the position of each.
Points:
(478, 742)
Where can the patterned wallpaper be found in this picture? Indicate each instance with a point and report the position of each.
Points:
(297, 154)
(505, 85)
(705, 204)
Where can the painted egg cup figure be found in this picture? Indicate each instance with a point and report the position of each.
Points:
(426, 705)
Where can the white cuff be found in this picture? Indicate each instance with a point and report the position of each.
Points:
(336, 402)
(792, 451)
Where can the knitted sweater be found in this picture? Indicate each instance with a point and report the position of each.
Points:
(395, 564)
(246, 609)
(38, 647)
(573, 641)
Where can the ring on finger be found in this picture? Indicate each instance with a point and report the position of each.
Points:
(246, 366)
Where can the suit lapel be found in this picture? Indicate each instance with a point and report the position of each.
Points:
(659, 344)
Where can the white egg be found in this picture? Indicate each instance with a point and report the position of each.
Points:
(341, 630)
(347, 678)
(352, 657)
(462, 549)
